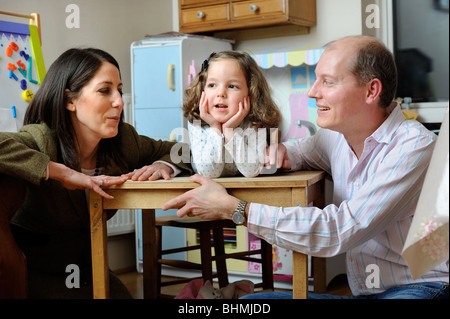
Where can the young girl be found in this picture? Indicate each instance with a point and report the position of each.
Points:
(230, 113)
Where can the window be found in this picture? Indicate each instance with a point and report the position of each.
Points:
(421, 45)
(417, 32)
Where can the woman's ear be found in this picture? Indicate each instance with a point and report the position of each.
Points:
(374, 88)
(70, 104)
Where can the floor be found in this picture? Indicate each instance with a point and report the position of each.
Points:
(134, 282)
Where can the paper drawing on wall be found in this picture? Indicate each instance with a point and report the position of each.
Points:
(21, 69)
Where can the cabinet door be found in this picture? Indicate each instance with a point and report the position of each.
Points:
(156, 76)
(207, 15)
(259, 9)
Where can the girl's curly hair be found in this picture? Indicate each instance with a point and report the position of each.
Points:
(263, 113)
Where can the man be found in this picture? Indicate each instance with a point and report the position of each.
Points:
(378, 162)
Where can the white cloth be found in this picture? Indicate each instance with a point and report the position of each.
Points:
(427, 243)
(374, 200)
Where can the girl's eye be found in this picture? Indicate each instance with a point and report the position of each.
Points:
(232, 86)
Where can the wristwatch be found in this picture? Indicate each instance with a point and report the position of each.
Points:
(238, 215)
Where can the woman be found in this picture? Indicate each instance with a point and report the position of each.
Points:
(74, 140)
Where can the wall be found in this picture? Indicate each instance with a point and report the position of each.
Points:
(111, 25)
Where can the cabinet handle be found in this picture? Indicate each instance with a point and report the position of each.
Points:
(170, 82)
(253, 7)
(200, 14)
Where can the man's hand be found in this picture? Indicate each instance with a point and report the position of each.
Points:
(209, 201)
(276, 154)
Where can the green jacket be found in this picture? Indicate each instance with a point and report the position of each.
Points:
(53, 223)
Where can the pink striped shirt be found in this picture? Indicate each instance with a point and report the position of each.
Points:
(373, 205)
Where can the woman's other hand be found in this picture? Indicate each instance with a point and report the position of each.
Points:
(151, 172)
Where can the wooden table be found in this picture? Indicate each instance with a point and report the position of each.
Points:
(284, 190)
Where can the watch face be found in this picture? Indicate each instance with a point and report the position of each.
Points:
(238, 218)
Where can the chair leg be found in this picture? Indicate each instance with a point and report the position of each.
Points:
(219, 252)
(267, 267)
(205, 253)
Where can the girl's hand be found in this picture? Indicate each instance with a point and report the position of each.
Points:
(236, 120)
(206, 116)
(151, 172)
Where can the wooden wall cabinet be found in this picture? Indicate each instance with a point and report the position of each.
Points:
(204, 16)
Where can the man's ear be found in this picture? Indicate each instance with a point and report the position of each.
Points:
(374, 88)
(69, 104)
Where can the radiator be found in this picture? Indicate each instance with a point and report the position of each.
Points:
(121, 223)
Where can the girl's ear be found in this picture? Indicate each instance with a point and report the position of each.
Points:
(70, 106)
(374, 88)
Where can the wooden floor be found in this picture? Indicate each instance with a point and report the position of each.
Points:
(134, 282)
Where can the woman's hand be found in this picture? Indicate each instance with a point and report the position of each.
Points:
(207, 117)
(209, 201)
(72, 179)
(151, 172)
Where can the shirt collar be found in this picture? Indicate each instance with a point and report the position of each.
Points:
(384, 132)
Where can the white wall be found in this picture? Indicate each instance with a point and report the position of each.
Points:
(111, 25)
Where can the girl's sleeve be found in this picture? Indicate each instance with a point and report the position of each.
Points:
(206, 150)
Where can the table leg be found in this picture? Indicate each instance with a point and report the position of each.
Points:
(99, 247)
(300, 278)
(149, 254)
(299, 260)
(316, 194)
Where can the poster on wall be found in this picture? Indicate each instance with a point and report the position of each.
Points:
(21, 71)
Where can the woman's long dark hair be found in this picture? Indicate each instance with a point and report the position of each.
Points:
(70, 71)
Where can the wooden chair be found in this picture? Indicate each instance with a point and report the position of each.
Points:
(13, 265)
(205, 228)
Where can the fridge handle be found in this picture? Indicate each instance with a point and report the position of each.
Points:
(170, 82)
